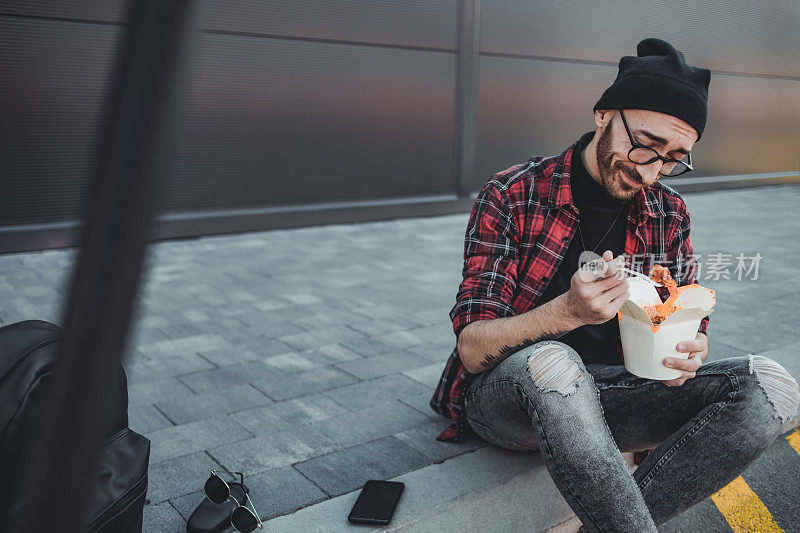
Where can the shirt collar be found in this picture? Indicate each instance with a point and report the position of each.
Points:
(647, 201)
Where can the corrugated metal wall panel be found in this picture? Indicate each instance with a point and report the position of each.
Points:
(354, 99)
(346, 121)
(428, 23)
(737, 36)
(94, 10)
(53, 78)
(528, 108)
(272, 121)
(532, 107)
(418, 23)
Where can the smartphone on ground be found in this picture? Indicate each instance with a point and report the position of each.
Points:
(376, 503)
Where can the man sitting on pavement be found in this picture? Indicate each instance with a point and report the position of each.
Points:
(538, 359)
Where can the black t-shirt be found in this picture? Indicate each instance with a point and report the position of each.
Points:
(598, 211)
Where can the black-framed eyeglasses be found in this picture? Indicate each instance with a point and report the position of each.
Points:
(242, 519)
(644, 155)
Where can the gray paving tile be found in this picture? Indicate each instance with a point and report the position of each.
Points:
(37, 294)
(365, 425)
(754, 339)
(436, 353)
(421, 402)
(239, 353)
(302, 298)
(287, 414)
(428, 375)
(197, 314)
(184, 439)
(322, 336)
(722, 350)
(156, 390)
(18, 309)
(380, 326)
(439, 333)
(249, 351)
(143, 336)
(178, 476)
(375, 391)
(228, 376)
(276, 323)
(270, 304)
(234, 330)
(141, 367)
(368, 346)
(423, 439)
(281, 386)
(191, 344)
(162, 518)
(147, 320)
(336, 352)
(446, 278)
(177, 329)
(292, 362)
(333, 317)
(348, 469)
(381, 365)
(273, 450)
(282, 491)
(384, 311)
(438, 315)
(439, 293)
(401, 339)
(146, 418)
(213, 403)
(411, 300)
(212, 300)
(374, 290)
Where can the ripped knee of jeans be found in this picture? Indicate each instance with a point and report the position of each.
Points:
(553, 369)
(780, 387)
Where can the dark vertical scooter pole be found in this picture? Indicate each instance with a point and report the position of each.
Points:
(126, 182)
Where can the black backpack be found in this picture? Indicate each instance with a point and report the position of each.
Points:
(28, 351)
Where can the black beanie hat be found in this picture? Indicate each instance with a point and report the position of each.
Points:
(659, 79)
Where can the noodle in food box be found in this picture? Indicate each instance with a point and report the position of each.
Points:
(650, 329)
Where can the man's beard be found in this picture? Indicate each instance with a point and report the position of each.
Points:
(615, 186)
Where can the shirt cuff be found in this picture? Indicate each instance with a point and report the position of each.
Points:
(473, 309)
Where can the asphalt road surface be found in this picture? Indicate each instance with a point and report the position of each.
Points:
(764, 499)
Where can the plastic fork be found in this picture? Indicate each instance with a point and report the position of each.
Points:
(595, 264)
(640, 275)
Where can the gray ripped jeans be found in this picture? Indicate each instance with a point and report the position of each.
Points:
(705, 432)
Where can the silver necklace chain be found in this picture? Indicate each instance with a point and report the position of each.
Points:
(580, 233)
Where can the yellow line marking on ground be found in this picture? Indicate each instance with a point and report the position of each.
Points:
(743, 509)
(793, 439)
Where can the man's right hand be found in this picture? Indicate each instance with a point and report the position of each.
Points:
(595, 297)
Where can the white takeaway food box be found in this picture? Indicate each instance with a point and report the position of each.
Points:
(644, 350)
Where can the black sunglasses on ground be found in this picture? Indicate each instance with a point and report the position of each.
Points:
(242, 519)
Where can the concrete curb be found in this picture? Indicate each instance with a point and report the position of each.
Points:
(474, 491)
(482, 490)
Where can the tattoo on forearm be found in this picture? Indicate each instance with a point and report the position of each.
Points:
(490, 360)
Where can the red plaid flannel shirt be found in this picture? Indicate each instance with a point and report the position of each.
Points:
(518, 232)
